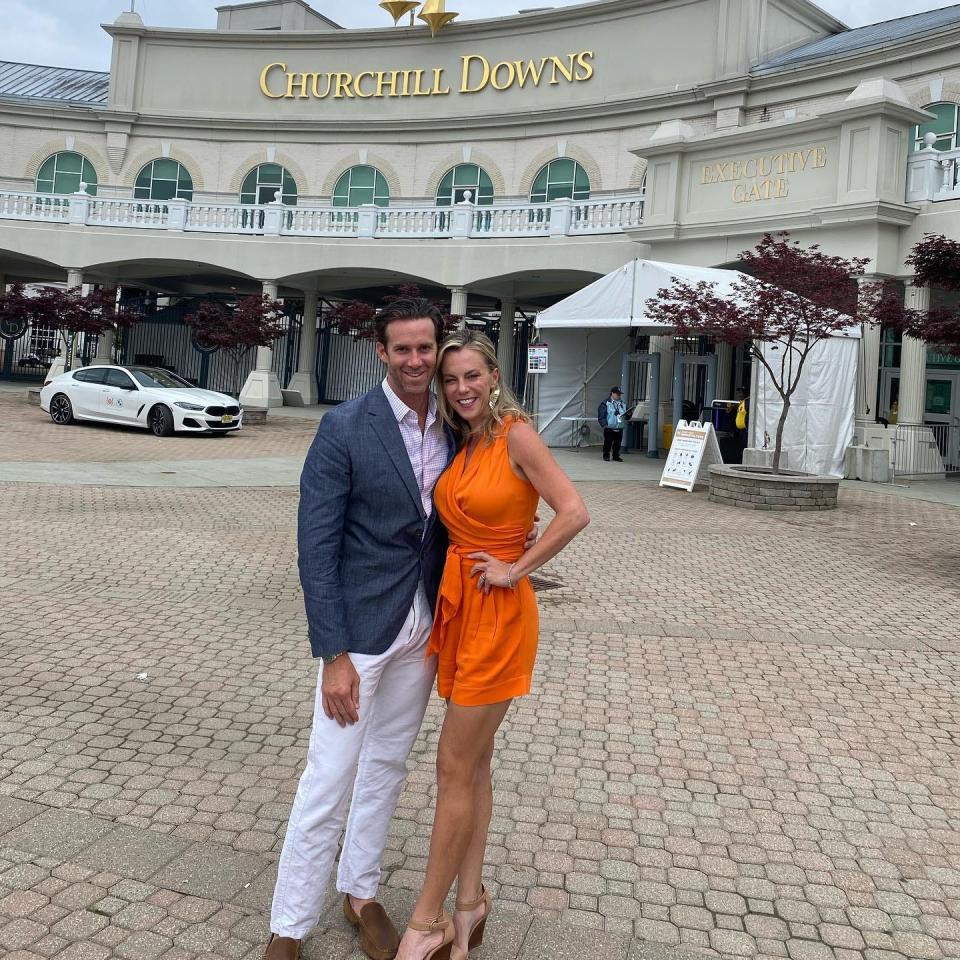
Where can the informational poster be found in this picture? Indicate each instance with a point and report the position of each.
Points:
(538, 356)
(693, 450)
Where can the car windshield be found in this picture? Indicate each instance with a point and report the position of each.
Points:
(158, 378)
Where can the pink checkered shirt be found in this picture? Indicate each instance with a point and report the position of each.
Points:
(428, 451)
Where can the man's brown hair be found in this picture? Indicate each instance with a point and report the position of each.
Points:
(408, 308)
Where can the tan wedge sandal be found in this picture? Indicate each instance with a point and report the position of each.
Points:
(444, 923)
(476, 932)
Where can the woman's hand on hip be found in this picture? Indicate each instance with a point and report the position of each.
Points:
(490, 572)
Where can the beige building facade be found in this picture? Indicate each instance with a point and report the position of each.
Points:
(500, 165)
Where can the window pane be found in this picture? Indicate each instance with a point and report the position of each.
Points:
(360, 196)
(69, 163)
(163, 190)
(466, 175)
(66, 182)
(165, 169)
(270, 173)
(362, 177)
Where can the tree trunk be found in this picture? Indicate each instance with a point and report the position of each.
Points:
(778, 445)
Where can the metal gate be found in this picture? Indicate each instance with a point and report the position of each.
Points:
(26, 355)
(346, 367)
(926, 450)
(163, 339)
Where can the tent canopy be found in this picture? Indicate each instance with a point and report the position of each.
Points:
(619, 299)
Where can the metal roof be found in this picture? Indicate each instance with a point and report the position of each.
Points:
(25, 81)
(862, 39)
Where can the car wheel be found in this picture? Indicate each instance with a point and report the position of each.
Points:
(61, 410)
(161, 421)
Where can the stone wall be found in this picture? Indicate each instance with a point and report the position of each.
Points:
(758, 489)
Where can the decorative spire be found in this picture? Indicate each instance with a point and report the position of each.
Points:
(398, 8)
(434, 13)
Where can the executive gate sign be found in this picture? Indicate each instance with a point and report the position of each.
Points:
(843, 166)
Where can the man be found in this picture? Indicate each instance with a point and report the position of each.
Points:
(612, 415)
(371, 557)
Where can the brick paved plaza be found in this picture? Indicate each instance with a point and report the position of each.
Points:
(752, 749)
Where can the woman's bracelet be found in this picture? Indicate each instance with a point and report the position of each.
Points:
(510, 582)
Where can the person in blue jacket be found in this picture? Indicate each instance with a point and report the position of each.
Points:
(612, 416)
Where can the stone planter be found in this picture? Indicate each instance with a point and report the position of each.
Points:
(756, 488)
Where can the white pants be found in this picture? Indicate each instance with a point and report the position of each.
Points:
(369, 759)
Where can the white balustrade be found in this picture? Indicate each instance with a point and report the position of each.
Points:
(466, 220)
(933, 176)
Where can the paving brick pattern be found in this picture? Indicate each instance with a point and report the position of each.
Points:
(744, 739)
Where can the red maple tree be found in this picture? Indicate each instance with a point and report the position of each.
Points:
(237, 326)
(65, 310)
(936, 263)
(793, 298)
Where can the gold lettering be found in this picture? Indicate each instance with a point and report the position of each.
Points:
(467, 61)
(801, 160)
(583, 61)
(736, 171)
(264, 78)
(783, 188)
(565, 69)
(705, 175)
(316, 86)
(343, 81)
(405, 90)
(819, 157)
(511, 76)
(766, 166)
(438, 83)
(750, 169)
(529, 69)
(358, 92)
(305, 79)
(392, 84)
(739, 193)
(418, 91)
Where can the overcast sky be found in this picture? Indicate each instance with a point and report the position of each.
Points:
(66, 33)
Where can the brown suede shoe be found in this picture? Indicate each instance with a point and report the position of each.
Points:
(379, 939)
(282, 948)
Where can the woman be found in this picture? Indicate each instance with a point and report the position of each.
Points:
(486, 625)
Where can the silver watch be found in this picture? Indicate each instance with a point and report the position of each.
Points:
(336, 656)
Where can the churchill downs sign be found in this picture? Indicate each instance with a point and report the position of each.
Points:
(476, 74)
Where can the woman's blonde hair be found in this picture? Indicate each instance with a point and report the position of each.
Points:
(503, 402)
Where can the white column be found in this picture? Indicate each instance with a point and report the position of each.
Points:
(74, 280)
(724, 354)
(302, 391)
(505, 344)
(913, 364)
(458, 302)
(104, 349)
(262, 388)
(868, 373)
(664, 346)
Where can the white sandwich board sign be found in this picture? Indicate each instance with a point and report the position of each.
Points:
(693, 451)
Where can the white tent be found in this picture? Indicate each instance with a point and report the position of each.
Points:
(589, 332)
(619, 299)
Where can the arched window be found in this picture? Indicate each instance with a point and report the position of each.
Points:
(164, 179)
(559, 179)
(461, 180)
(361, 185)
(64, 172)
(946, 126)
(261, 184)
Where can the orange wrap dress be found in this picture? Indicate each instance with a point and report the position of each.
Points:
(486, 644)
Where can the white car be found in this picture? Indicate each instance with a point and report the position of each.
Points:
(147, 397)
